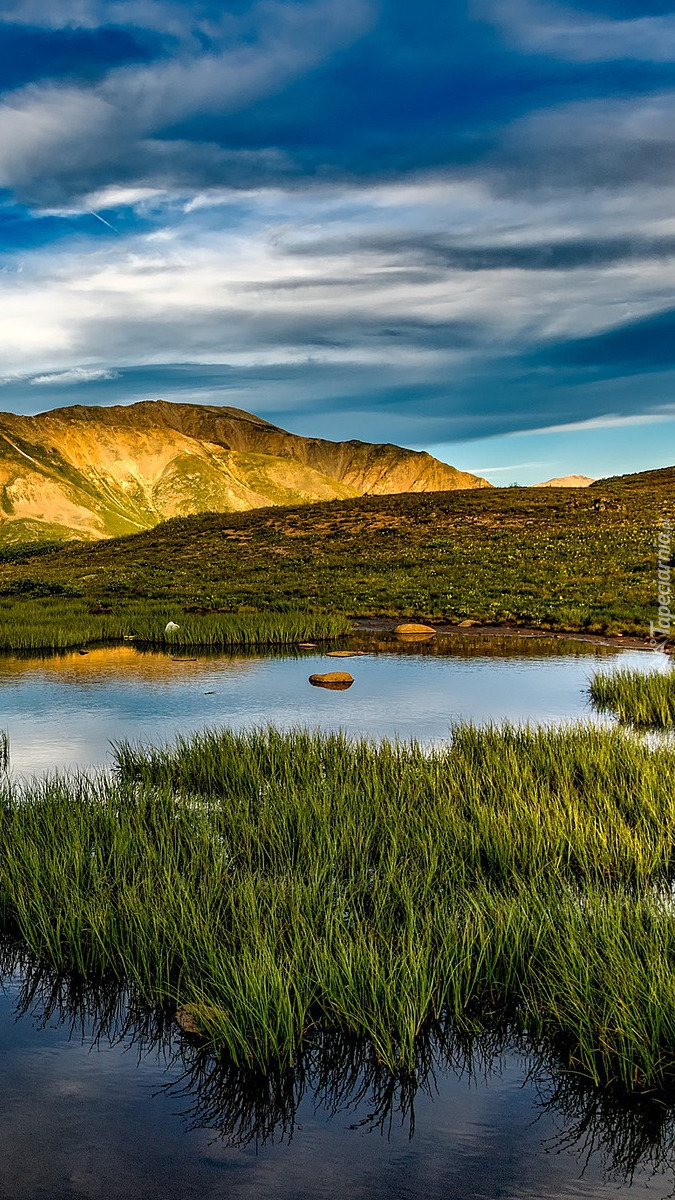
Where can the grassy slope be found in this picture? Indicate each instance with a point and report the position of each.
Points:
(555, 558)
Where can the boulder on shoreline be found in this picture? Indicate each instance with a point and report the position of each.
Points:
(414, 630)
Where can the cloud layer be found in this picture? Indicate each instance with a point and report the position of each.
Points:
(430, 223)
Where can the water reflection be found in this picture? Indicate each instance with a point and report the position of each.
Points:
(105, 1098)
(579, 1132)
(63, 711)
(632, 1136)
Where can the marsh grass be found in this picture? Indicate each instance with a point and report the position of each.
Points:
(59, 623)
(216, 632)
(282, 884)
(646, 701)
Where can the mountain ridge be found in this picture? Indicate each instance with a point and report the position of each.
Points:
(94, 472)
(568, 481)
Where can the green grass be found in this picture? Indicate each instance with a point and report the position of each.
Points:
(59, 623)
(287, 884)
(562, 559)
(646, 701)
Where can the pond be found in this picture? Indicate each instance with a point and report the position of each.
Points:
(102, 1102)
(97, 1104)
(63, 711)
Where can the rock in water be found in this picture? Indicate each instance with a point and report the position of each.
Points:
(414, 630)
(186, 1016)
(186, 1019)
(344, 654)
(337, 681)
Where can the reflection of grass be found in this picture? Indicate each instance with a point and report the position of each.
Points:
(647, 701)
(59, 623)
(340, 1074)
(283, 883)
(579, 560)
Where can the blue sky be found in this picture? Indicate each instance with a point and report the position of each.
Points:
(442, 224)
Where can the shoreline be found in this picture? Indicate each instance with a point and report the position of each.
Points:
(528, 632)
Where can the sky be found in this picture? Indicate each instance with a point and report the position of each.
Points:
(443, 224)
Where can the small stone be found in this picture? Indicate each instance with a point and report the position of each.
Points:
(186, 1019)
(344, 654)
(411, 628)
(307, 645)
(335, 680)
(466, 624)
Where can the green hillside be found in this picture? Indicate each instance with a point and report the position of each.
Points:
(581, 559)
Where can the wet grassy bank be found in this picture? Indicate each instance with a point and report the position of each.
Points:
(646, 701)
(278, 885)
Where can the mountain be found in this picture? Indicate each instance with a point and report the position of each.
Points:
(568, 481)
(90, 472)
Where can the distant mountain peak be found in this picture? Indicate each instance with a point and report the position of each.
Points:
(570, 481)
(91, 472)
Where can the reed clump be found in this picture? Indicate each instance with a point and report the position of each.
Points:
(281, 884)
(28, 624)
(222, 632)
(646, 701)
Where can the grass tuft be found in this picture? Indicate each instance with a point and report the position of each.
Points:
(646, 701)
(61, 623)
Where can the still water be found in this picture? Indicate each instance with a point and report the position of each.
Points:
(98, 1102)
(63, 711)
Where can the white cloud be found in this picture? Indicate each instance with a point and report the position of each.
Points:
(609, 421)
(58, 136)
(74, 375)
(522, 466)
(178, 19)
(565, 33)
(245, 291)
(580, 149)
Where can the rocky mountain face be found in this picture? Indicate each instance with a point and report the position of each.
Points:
(90, 472)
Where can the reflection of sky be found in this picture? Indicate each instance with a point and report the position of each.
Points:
(83, 1122)
(66, 711)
